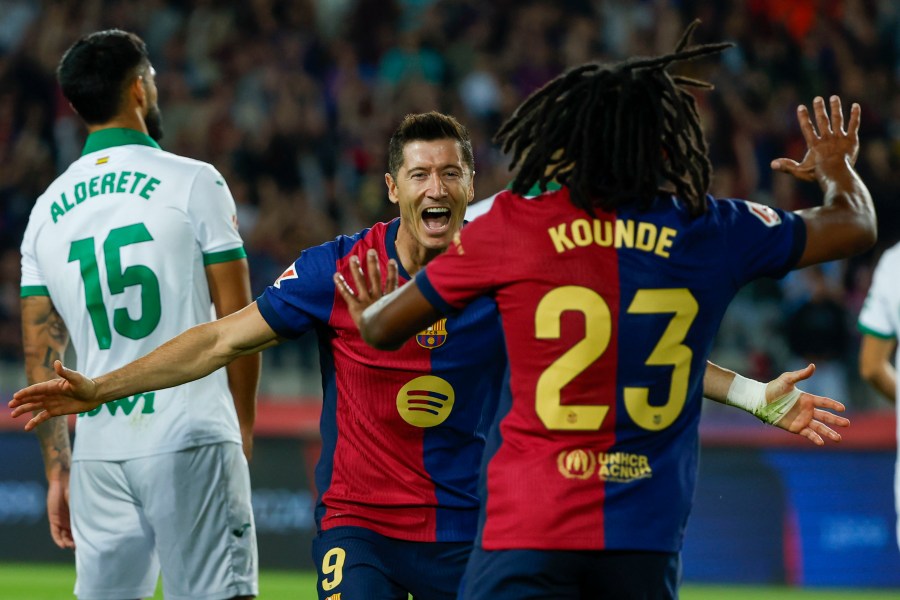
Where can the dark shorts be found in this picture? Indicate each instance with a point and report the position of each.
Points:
(359, 563)
(571, 575)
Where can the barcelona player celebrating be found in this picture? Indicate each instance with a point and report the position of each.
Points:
(610, 292)
(403, 432)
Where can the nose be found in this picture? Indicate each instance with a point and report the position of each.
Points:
(436, 187)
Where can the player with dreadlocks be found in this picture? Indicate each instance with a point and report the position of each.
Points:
(638, 109)
(610, 292)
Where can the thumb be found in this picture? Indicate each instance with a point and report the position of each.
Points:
(786, 165)
(66, 373)
(794, 377)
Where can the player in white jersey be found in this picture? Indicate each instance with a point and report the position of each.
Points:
(128, 248)
(879, 323)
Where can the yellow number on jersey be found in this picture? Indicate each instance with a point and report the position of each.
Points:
(333, 563)
(669, 351)
(597, 331)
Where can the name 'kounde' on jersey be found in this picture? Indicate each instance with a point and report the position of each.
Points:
(608, 321)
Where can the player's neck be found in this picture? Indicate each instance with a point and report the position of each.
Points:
(413, 255)
(122, 121)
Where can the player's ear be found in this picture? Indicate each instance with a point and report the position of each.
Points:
(391, 187)
(471, 192)
(138, 91)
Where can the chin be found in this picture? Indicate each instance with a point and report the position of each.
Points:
(438, 243)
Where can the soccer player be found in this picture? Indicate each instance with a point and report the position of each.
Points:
(879, 323)
(610, 292)
(403, 433)
(129, 247)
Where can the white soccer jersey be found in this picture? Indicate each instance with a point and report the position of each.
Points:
(880, 314)
(479, 208)
(880, 317)
(119, 242)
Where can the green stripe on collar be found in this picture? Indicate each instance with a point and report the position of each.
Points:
(535, 190)
(116, 136)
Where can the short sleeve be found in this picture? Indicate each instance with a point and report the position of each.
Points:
(303, 295)
(32, 282)
(214, 218)
(881, 310)
(468, 269)
(759, 241)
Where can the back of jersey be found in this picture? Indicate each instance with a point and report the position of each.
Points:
(119, 242)
(608, 321)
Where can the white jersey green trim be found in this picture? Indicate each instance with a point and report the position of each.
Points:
(120, 243)
(225, 256)
(116, 136)
(869, 331)
(880, 317)
(33, 290)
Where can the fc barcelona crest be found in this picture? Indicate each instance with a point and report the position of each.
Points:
(434, 336)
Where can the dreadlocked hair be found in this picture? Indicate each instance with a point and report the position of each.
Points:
(613, 133)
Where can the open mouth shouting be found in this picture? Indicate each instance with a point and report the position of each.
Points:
(436, 219)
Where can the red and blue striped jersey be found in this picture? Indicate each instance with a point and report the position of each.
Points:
(402, 432)
(608, 321)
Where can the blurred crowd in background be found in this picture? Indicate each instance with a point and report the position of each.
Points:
(294, 102)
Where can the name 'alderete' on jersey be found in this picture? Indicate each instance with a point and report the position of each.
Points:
(120, 242)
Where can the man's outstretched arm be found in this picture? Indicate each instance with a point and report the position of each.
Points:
(845, 224)
(779, 402)
(194, 354)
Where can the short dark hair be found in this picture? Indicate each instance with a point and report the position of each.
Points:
(613, 133)
(427, 127)
(94, 72)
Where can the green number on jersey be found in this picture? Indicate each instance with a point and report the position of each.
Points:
(118, 280)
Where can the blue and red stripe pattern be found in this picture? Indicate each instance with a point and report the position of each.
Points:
(402, 432)
(609, 319)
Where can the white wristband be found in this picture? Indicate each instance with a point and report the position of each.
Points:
(750, 395)
(747, 394)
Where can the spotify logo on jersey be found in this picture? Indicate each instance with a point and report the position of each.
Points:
(425, 401)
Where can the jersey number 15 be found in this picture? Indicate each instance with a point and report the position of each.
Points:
(117, 279)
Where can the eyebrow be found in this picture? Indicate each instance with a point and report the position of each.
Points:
(442, 168)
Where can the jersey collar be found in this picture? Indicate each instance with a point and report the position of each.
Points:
(536, 190)
(390, 246)
(116, 136)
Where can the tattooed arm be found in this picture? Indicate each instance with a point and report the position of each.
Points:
(45, 339)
